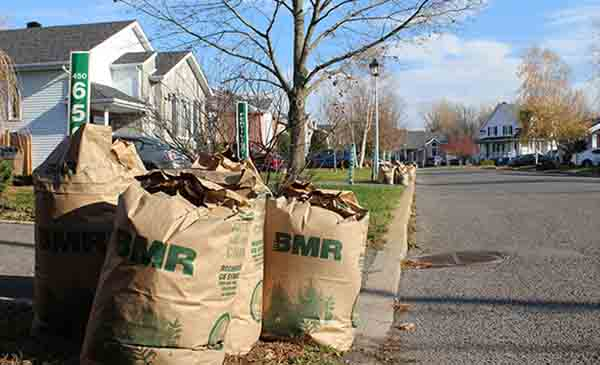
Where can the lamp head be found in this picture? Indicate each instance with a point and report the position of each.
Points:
(374, 67)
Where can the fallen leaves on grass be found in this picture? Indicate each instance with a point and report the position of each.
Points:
(409, 327)
(415, 265)
(17, 347)
(302, 351)
(400, 307)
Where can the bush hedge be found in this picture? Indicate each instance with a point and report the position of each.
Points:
(5, 175)
(488, 163)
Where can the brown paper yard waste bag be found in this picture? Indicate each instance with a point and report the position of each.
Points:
(314, 248)
(386, 174)
(171, 273)
(76, 192)
(243, 178)
(401, 174)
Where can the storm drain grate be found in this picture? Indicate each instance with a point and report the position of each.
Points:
(461, 258)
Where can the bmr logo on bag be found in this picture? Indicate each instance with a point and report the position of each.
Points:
(159, 255)
(308, 246)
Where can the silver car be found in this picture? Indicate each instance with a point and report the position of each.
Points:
(156, 154)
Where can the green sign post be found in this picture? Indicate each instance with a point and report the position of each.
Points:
(242, 130)
(79, 91)
(351, 164)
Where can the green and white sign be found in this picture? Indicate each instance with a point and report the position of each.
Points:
(79, 91)
(242, 130)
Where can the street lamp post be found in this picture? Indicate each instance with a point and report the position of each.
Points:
(374, 67)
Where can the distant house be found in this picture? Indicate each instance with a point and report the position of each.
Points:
(129, 79)
(422, 145)
(262, 127)
(594, 137)
(500, 135)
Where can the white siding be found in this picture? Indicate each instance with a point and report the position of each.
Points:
(183, 82)
(104, 54)
(267, 129)
(505, 115)
(127, 79)
(44, 110)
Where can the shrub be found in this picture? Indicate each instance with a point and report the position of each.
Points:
(5, 175)
(488, 163)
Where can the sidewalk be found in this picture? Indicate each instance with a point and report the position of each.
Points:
(381, 284)
(17, 234)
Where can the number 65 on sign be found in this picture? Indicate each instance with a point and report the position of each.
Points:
(79, 91)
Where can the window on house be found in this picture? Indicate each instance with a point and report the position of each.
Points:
(510, 130)
(489, 131)
(495, 131)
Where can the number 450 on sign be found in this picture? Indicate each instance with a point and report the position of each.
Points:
(79, 91)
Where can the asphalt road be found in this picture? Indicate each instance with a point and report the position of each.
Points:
(539, 306)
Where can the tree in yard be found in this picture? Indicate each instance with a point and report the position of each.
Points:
(551, 110)
(457, 122)
(9, 88)
(455, 119)
(461, 147)
(312, 39)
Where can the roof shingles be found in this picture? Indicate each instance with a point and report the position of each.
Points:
(165, 61)
(133, 57)
(54, 44)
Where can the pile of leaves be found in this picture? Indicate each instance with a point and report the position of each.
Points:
(300, 351)
(17, 347)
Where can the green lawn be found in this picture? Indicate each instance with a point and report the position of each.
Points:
(17, 203)
(380, 200)
(339, 175)
(324, 175)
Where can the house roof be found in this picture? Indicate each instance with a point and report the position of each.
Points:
(100, 92)
(165, 61)
(54, 44)
(503, 108)
(133, 57)
(415, 139)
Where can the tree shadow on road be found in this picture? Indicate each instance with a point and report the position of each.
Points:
(20, 287)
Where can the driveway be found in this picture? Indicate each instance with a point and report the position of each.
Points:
(541, 305)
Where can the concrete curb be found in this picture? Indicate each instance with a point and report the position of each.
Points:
(25, 223)
(17, 234)
(376, 301)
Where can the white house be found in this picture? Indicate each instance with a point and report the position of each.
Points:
(128, 78)
(500, 135)
(594, 139)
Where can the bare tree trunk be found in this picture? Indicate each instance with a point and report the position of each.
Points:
(297, 96)
(363, 145)
(297, 124)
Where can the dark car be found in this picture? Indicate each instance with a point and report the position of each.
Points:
(525, 160)
(156, 154)
(502, 161)
(329, 159)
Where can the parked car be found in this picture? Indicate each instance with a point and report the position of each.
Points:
(525, 160)
(433, 161)
(550, 161)
(266, 161)
(502, 161)
(156, 154)
(587, 158)
(327, 159)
